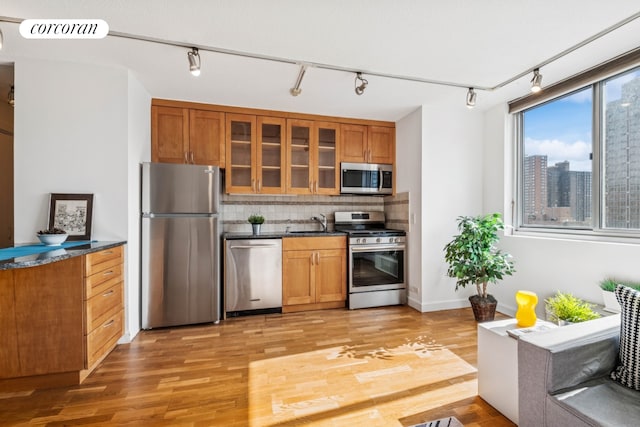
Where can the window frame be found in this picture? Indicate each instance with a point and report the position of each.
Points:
(597, 231)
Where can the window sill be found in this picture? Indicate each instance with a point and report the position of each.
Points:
(577, 235)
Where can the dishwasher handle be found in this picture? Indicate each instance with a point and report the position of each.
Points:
(273, 245)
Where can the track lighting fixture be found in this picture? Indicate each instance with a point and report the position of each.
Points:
(11, 97)
(295, 90)
(363, 84)
(194, 61)
(471, 98)
(536, 81)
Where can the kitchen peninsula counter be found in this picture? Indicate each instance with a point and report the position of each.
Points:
(62, 312)
(34, 255)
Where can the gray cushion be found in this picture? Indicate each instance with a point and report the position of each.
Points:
(627, 372)
(601, 402)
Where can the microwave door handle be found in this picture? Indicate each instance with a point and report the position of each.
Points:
(379, 179)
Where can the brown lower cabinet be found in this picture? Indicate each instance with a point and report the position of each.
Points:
(59, 320)
(314, 273)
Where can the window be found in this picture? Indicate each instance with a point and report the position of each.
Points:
(572, 177)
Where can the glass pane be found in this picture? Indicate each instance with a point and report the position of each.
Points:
(271, 159)
(377, 268)
(300, 145)
(621, 162)
(556, 166)
(240, 154)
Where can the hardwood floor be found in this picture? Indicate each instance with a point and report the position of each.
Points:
(390, 366)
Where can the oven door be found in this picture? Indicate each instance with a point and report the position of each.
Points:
(376, 268)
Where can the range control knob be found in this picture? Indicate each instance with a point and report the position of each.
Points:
(378, 240)
(357, 240)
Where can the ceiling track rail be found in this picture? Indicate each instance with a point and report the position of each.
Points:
(332, 67)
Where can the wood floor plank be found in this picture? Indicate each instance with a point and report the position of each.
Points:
(389, 366)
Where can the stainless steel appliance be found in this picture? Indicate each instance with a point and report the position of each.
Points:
(180, 245)
(377, 261)
(253, 276)
(366, 178)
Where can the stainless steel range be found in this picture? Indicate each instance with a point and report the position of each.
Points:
(376, 260)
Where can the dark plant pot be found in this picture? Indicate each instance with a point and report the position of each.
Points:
(484, 309)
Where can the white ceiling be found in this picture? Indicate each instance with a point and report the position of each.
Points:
(478, 43)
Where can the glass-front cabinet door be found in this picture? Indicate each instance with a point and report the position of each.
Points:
(241, 158)
(270, 172)
(327, 180)
(299, 156)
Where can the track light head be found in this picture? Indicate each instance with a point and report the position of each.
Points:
(296, 90)
(11, 97)
(536, 81)
(363, 84)
(1, 39)
(471, 98)
(194, 61)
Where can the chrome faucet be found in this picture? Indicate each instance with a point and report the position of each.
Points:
(322, 220)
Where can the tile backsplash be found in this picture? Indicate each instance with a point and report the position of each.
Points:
(295, 212)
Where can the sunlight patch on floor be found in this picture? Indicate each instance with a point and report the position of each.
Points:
(356, 385)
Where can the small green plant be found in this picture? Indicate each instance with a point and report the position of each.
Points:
(256, 219)
(565, 306)
(609, 284)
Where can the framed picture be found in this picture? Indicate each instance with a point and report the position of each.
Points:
(72, 213)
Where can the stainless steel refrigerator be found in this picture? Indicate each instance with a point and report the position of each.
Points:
(180, 245)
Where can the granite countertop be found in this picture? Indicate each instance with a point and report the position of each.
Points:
(56, 253)
(280, 235)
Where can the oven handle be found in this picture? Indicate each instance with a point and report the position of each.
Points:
(377, 248)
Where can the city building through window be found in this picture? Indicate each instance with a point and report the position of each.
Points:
(579, 158)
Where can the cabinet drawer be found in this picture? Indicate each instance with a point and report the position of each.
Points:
(94, 262)
(104, 337)
(103, 280)
(314, 243)
(103, 305)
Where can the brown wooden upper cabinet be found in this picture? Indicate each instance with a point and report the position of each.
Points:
(367, 144)
(255, 148)
(312, 157)
(184, 135)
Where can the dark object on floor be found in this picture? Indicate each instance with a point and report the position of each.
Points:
(442, 422)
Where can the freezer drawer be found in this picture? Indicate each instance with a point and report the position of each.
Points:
(180, 271)
(253, 274)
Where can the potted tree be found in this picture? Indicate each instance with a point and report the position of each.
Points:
(474, 259)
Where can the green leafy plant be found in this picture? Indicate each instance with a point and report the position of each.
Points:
(256, 219)
(565, 306)
(609, 284)
(472, 255)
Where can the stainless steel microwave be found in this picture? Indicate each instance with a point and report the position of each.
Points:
(366, 178)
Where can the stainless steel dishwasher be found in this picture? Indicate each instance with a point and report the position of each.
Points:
(253, 276)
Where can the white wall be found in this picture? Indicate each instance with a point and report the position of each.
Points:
(70, 137)
(440, 154)
(139, 150)
(409, 155)
(82, 128)
(544, 265)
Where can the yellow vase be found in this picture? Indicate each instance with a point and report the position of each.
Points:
(526, 314)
